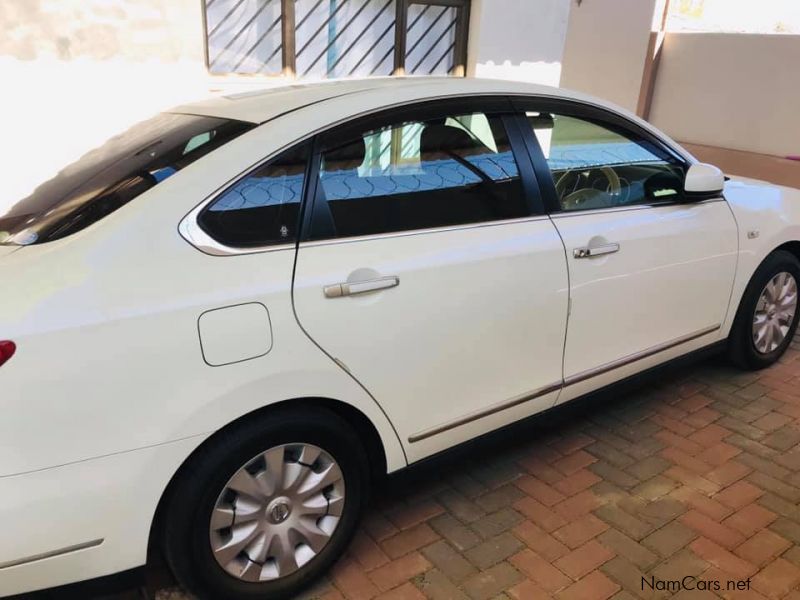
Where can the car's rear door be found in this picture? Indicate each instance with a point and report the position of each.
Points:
(650, 273)
(430, 273)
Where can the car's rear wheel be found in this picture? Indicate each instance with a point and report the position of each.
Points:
(266, 507)
(768, 313)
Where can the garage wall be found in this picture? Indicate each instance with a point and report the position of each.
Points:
(606, 46)
(737, 91)
(522, 40)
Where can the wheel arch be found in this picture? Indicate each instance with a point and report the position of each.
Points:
(363, 426)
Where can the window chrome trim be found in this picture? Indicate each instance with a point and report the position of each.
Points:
(61, 551)
(571, 380)
(415, 232)
(190, 230)
(598, 211)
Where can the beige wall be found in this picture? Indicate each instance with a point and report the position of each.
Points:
(735, 91)
(606, 46)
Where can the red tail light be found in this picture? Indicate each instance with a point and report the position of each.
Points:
(7, 350)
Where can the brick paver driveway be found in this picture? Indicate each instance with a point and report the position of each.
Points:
(696, 473)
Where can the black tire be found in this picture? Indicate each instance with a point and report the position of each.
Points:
(185, 533)
(741, 347)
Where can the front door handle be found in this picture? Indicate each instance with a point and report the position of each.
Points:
(589, 252)
(338, 290)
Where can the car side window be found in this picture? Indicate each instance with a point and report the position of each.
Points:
(262, 208)
(420, 174)
(597, 166)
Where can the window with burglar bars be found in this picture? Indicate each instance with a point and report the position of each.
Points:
(319, 39)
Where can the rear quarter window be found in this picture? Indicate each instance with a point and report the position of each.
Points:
(112, 175)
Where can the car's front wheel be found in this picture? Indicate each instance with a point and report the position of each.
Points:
(266, 507)
(768, 313)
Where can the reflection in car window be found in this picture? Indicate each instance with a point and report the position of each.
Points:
(421, 174)
(594, 166)
(262, 208)
(109, 177)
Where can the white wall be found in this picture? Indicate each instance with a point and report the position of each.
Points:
(74, 72)
(736, 91)
(518, 39)
(606, 47)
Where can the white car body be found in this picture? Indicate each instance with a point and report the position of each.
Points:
(111, 390)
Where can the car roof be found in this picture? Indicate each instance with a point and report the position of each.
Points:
(263, 105)
(260, 106)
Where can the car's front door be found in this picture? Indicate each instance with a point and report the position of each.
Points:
(650, 273)
(429, 274)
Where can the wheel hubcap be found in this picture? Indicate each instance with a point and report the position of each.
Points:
(277, 512)
(774, 313)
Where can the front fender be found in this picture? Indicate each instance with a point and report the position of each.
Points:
(768, 216)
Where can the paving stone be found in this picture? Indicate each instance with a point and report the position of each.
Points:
(580, 531)
(450, 528)
(541, 542)
(777, 579)
(628, 548)
(396, 572)
(436, 586)
(585, 559)
(750, 519)
(669, 539)
(595, 586)
(499, 498)
(460, 506)
(648, 468)
(449, 561)
(604, 451)
(608, 472)
(787, 528)
(491, 582)
(776, 486)
(762, 547)
(628, 524)
(497, 522)
(493, 550)
(539, 570)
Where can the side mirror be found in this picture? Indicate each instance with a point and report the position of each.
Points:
(703, 181)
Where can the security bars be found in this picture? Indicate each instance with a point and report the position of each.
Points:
(317, 39)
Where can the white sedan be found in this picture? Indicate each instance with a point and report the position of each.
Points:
(219, 327)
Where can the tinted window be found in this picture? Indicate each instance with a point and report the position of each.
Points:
(420, 174)
(595, 166)
(109, 177)
(263, 208)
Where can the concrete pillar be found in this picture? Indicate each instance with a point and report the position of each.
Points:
(607, 46)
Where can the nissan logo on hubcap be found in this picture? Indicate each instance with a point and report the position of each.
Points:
(279, 510)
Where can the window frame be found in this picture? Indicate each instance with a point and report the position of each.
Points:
(600, 116)
(314, 215)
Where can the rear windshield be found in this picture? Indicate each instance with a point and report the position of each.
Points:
(109, 177)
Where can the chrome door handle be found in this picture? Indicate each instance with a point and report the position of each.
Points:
(587, 252)
(338, 290)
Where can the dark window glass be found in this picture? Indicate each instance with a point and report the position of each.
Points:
(111, 176)
(264, 207)
(595, 166)
(421, 174)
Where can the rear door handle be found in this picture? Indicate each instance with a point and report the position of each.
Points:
(589, 252)
(338, 290)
